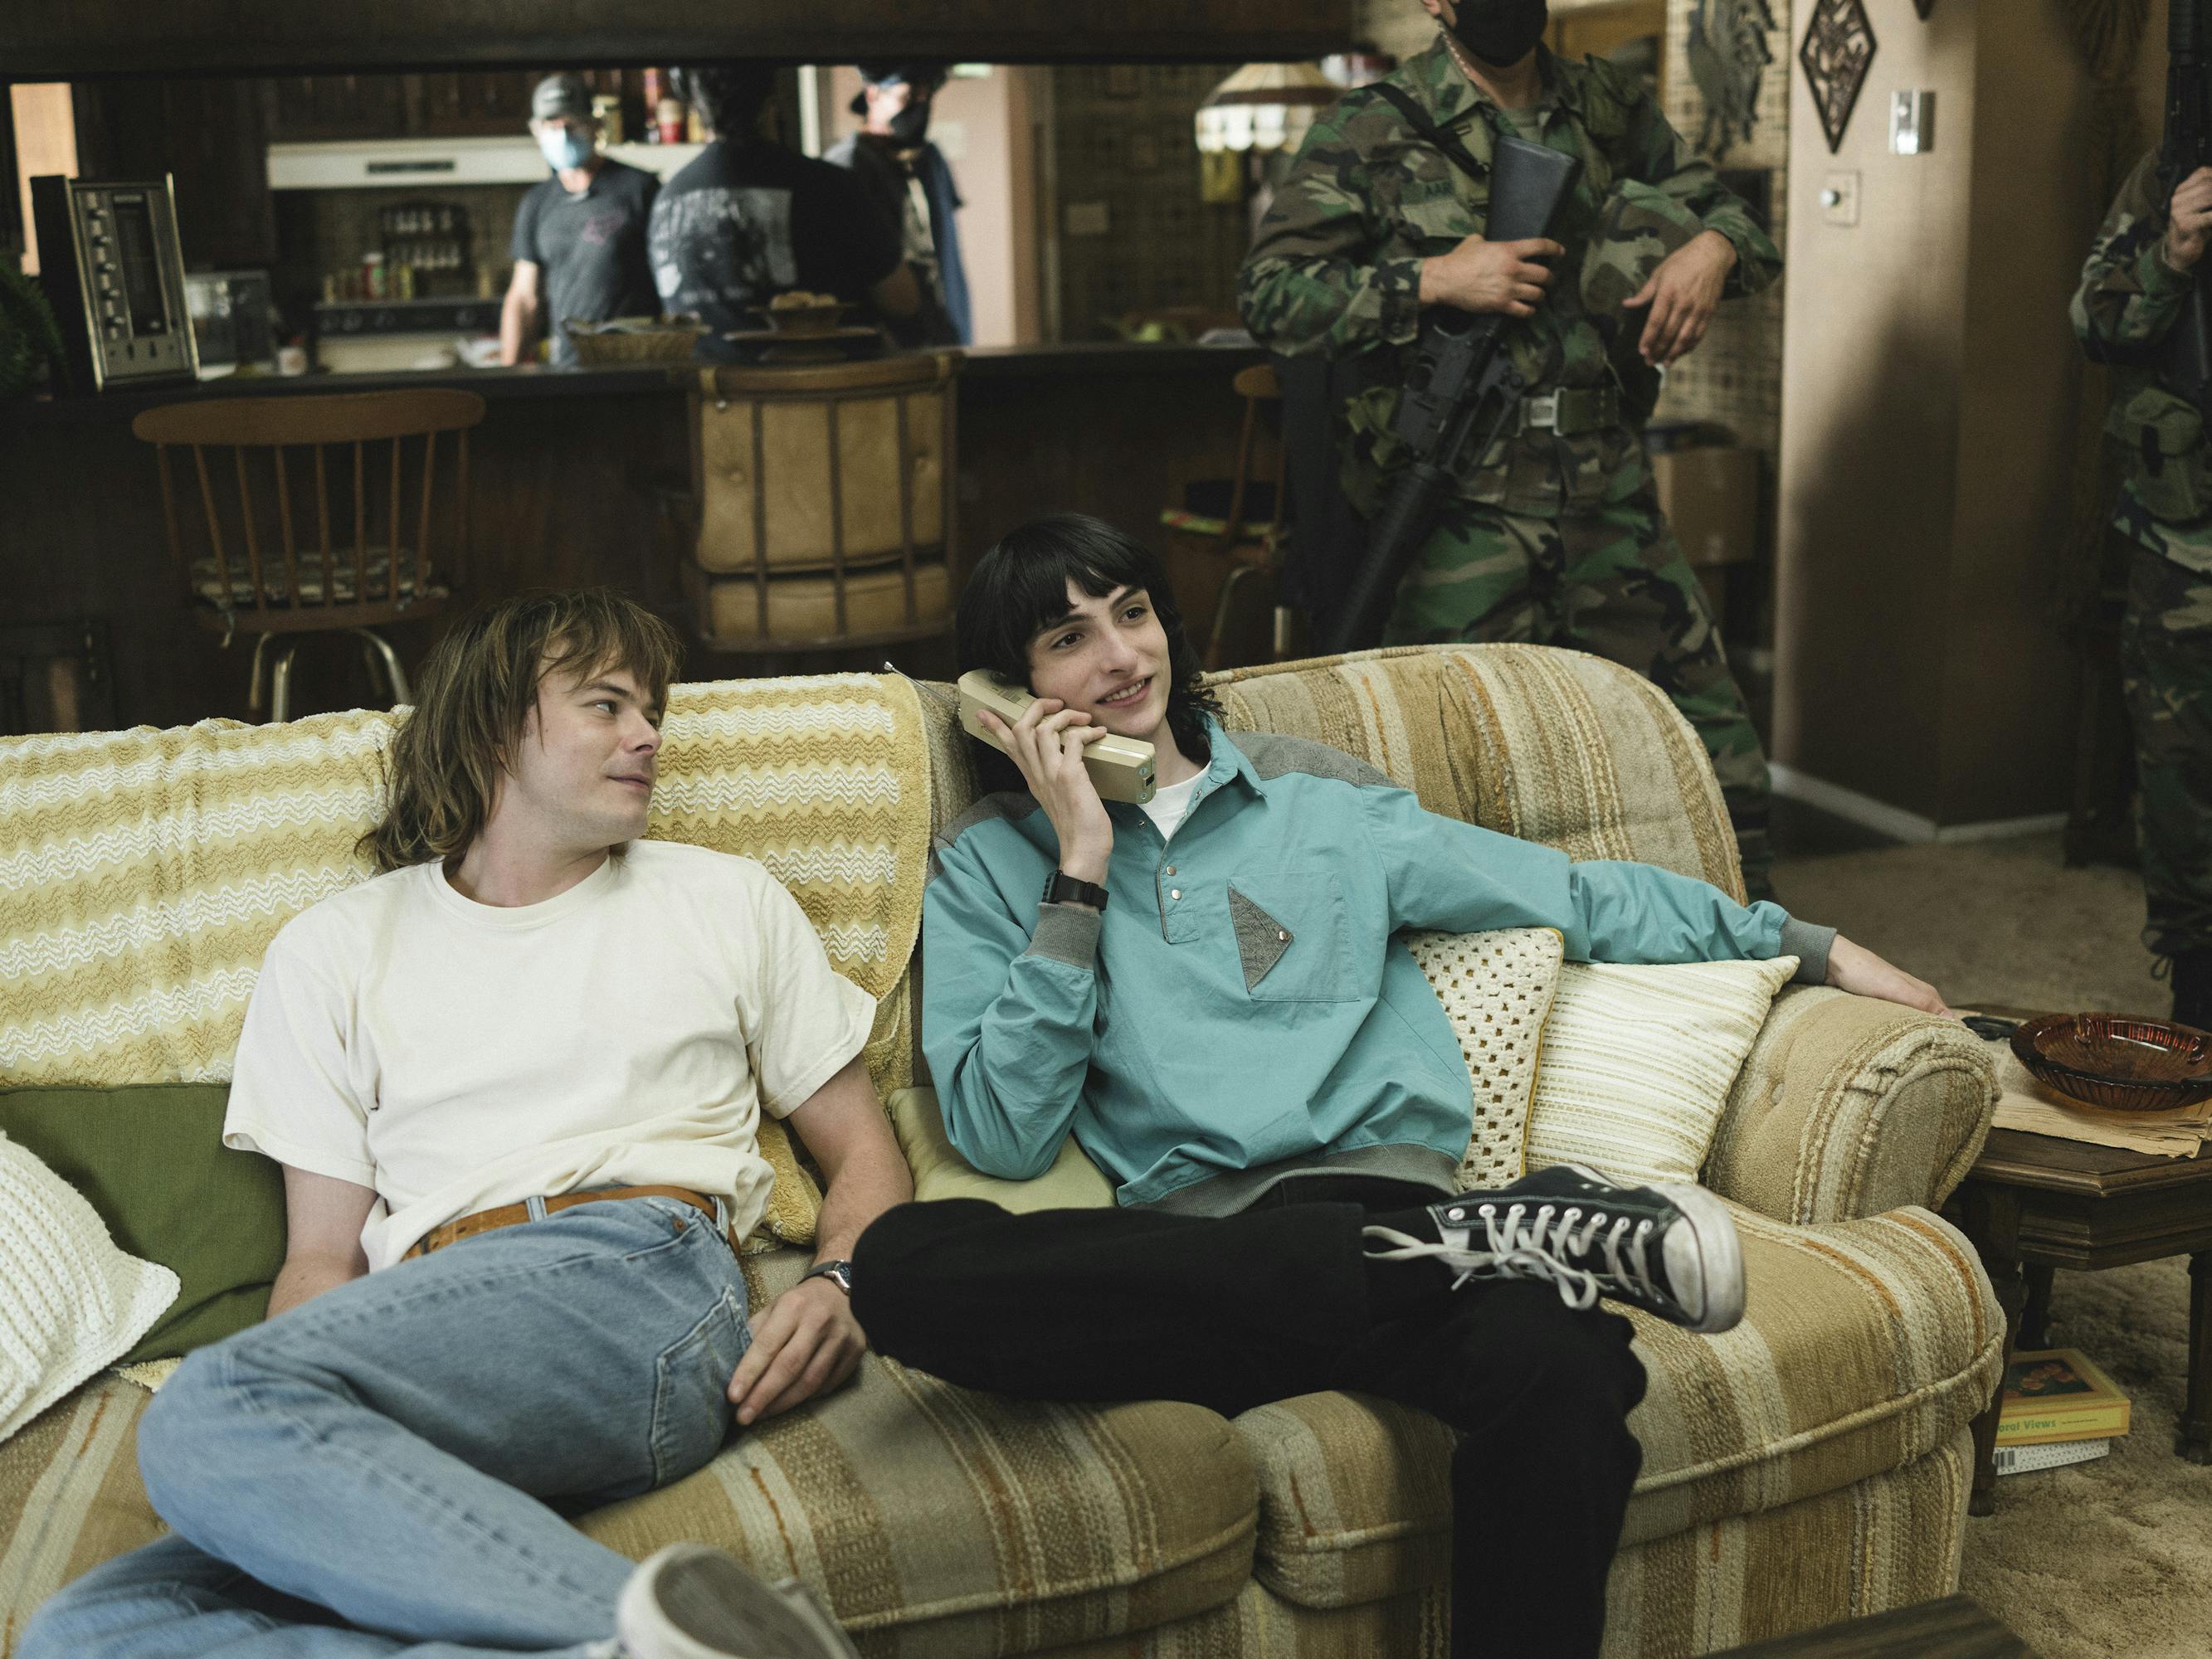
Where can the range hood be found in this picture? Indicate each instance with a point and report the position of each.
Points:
(411, 163)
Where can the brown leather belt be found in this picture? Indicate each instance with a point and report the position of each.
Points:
(508, 1215)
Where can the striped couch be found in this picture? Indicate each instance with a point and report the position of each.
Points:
(1811, 1465)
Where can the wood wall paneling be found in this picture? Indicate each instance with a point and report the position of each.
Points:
(91, 38)
(12, 210)
(212, 133)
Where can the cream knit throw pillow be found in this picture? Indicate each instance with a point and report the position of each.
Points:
(1638, 1062)
(70, 1301)
(1495, 987)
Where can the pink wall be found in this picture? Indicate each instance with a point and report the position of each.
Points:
(986, 127)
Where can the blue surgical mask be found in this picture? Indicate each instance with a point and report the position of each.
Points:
(564, 147)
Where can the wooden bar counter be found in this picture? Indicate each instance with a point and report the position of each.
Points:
(568, 475)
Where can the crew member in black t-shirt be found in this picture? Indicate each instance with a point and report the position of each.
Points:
(578, 245)
(748, 220)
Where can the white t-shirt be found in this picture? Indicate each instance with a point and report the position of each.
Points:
(1170, 804)
(456, 1056)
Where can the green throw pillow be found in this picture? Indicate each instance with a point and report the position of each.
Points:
(1073, 1182)
(152, 1162)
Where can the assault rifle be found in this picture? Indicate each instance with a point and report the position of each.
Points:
(1463, 391)
(2185, 354)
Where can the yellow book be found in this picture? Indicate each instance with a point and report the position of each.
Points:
(2058, 1393)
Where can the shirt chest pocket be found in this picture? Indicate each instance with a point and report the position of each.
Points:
(1292, 936)
(1435, 215)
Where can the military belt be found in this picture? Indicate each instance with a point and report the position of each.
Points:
(1571, 411)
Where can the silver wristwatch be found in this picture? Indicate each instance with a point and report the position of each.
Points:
(839, 1274)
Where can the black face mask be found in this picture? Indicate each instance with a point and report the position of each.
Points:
(1501, 31)
(908, 125)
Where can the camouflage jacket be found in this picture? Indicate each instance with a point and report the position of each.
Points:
(1336, 265)
(2129, 299)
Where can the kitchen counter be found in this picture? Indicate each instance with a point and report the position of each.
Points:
(569, 479)
(987, 363)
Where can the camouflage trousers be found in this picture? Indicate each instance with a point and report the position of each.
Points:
(1610, 581)
(2166, 657)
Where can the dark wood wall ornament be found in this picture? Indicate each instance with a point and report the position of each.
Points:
(90, 39)
(1838, 50)
(1728, 56)
(1924, 6)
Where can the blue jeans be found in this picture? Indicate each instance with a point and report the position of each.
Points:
(384, 1469)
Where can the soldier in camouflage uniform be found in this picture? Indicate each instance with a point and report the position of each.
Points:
(1555, 534)
(2140, 271)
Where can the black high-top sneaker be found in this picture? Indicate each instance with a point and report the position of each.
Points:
(688, 1601)
(2192, 989)
(1671, 1249)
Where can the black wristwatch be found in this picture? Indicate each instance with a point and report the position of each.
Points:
(1064, 889)
(839, 1274)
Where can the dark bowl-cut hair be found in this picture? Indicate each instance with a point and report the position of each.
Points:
(729, 95)
(1019, 588)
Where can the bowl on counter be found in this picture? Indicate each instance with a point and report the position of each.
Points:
(632, 342)
(801, 316)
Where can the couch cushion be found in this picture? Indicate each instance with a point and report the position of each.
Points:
(1074, 1181)
(70, 1302)
(1496, 988)
(949, 1522)
(1550, 745)
(152, 1162)
(1865, 1345)
(70, 1497)
(143, 873)
(1638, 1061)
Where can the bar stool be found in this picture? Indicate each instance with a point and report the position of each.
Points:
(820, 513)
(1225, 563)
(244, 579)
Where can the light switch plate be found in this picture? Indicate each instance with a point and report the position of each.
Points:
(1839, 198)
(1911, 123)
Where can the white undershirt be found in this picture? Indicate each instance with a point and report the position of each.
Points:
(456, 1056)
(1170, 804)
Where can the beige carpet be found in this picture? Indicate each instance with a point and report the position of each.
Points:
(2107, 1558)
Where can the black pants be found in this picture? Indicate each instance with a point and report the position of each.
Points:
(1232, 1313)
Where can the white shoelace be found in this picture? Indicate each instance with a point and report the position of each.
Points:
(1541, 1248)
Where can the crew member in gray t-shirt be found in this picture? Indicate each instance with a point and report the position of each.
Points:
(578, 245)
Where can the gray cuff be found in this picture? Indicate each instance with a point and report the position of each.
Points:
(1068, 934)
(1809, 944)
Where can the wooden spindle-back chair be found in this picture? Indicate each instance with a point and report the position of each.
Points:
(260, 557)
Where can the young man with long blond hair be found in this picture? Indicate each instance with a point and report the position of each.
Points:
(514, 1082)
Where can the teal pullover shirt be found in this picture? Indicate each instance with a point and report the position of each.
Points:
(1243, 1010)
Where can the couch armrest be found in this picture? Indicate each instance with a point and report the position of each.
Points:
(1849, 1106)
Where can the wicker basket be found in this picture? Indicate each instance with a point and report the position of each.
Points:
(634, 342)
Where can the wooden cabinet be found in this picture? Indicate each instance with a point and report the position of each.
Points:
(471, 103)
(316, 108)
(447, 104)
(211, 134)
(12, 237)
(243, 37)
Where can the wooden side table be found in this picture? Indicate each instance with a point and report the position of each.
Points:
(2032, 1204)
(1953, 1628)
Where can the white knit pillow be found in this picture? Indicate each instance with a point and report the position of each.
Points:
(1495, 987)
(70, 1301)
(1638, 1062)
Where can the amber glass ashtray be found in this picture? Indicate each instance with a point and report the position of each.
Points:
(2117, 1061)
